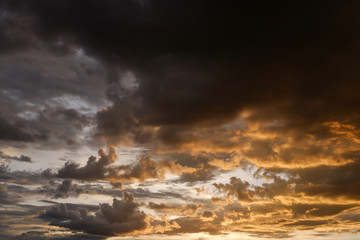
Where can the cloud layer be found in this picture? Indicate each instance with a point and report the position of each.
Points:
(220, 117)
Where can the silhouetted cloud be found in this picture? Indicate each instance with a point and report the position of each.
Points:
(22, 158)
(120, 218)
(94, 169)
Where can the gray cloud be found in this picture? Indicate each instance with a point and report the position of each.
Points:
(94, 169)
(14, 133)
(63, 190)
(120, 218)
(22, 158)
(53, 110)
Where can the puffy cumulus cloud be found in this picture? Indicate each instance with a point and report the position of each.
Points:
(22, 158)
(94, 169)
(191, 168)
(122, 217)
(103, 168)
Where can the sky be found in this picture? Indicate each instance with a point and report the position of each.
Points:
(179, 119)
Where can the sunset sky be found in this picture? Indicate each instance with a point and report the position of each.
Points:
(179, 120)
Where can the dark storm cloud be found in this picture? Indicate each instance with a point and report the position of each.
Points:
(15, 32)
(205, 61)
(120, 218)
(15, 133)
(48, 100)
(51, 77)
(200, 64)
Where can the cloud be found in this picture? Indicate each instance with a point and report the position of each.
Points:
(193, 225)
(22, 158)
(19, 177)
(323, 181)
(180, 81)
(94, 169)
(183, 74)
(38, 235)
(238, 188)
(145, 168)
(33, 235)
(102, 168)
(13, 133)
(119, 218)
(207, 214)
(175, 209)
(116, 185)
(63, 190)
(54, 112)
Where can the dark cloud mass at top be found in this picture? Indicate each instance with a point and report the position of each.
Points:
(251, 106)
(206, 61)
